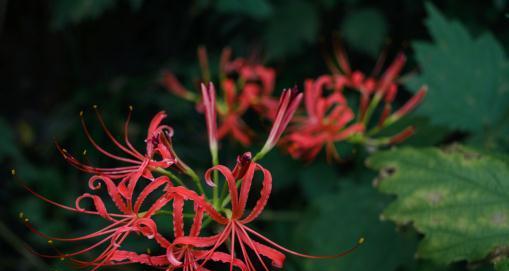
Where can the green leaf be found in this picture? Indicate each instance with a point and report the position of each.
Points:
(339, 218)
(458, 198)
(294, 26)
(365, 30)
(467, 76)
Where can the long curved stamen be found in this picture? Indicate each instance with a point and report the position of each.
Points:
(109, 255)
(220, 239)
(232, 248)
(126, 133)
(116, 172)
(79, 252)
(245, 256)
(341, 254)
(99, 148)
(65, 206)
(100, 232)
(252, 245)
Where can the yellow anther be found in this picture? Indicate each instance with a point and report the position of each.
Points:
(84, 152)
(64, 150)
(81, 113)
(13, 172)
(26, 220)
(62, 258)
(130, 107)
(50, 241)
(149, 251)
(21, 214)
(361, 241)
(94, 106)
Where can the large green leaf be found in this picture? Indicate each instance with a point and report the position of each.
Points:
(338, 219)
(458, 198)
(467, 76)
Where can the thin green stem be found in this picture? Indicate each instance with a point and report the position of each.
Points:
(170, 174)
(206, 222)
(371, 108)
(215, 192)
(259, 155)
(196, 180)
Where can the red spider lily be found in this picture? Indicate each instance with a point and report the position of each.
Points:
(209, 103)
(158, 143)
(192, 256)
(130, 220)
(288, 104)
(159, 154)
(244, 85)
(178, 257)
(235, 230)
(328, 120)
(373, 89)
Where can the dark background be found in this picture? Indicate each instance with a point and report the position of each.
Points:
(60, 57)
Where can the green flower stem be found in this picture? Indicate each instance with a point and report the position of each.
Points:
(371, 108)
(388, 122)
(206, 222)
(170, 174)
(196, 180)
(260, 154)
(215, 191)
(189, 172)
(227, 199)
(368, 141)
(223, 192)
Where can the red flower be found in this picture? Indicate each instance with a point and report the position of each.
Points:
(245, 85)
(236, 231)
(209, 103)
(192, 256)
(328, 120)
(130, 220)
(158, 144)
(288, 104)
(185, 252)
(373, 89)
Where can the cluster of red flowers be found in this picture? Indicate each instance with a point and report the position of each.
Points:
(244, 83)
(327, 118)
(152, 183)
